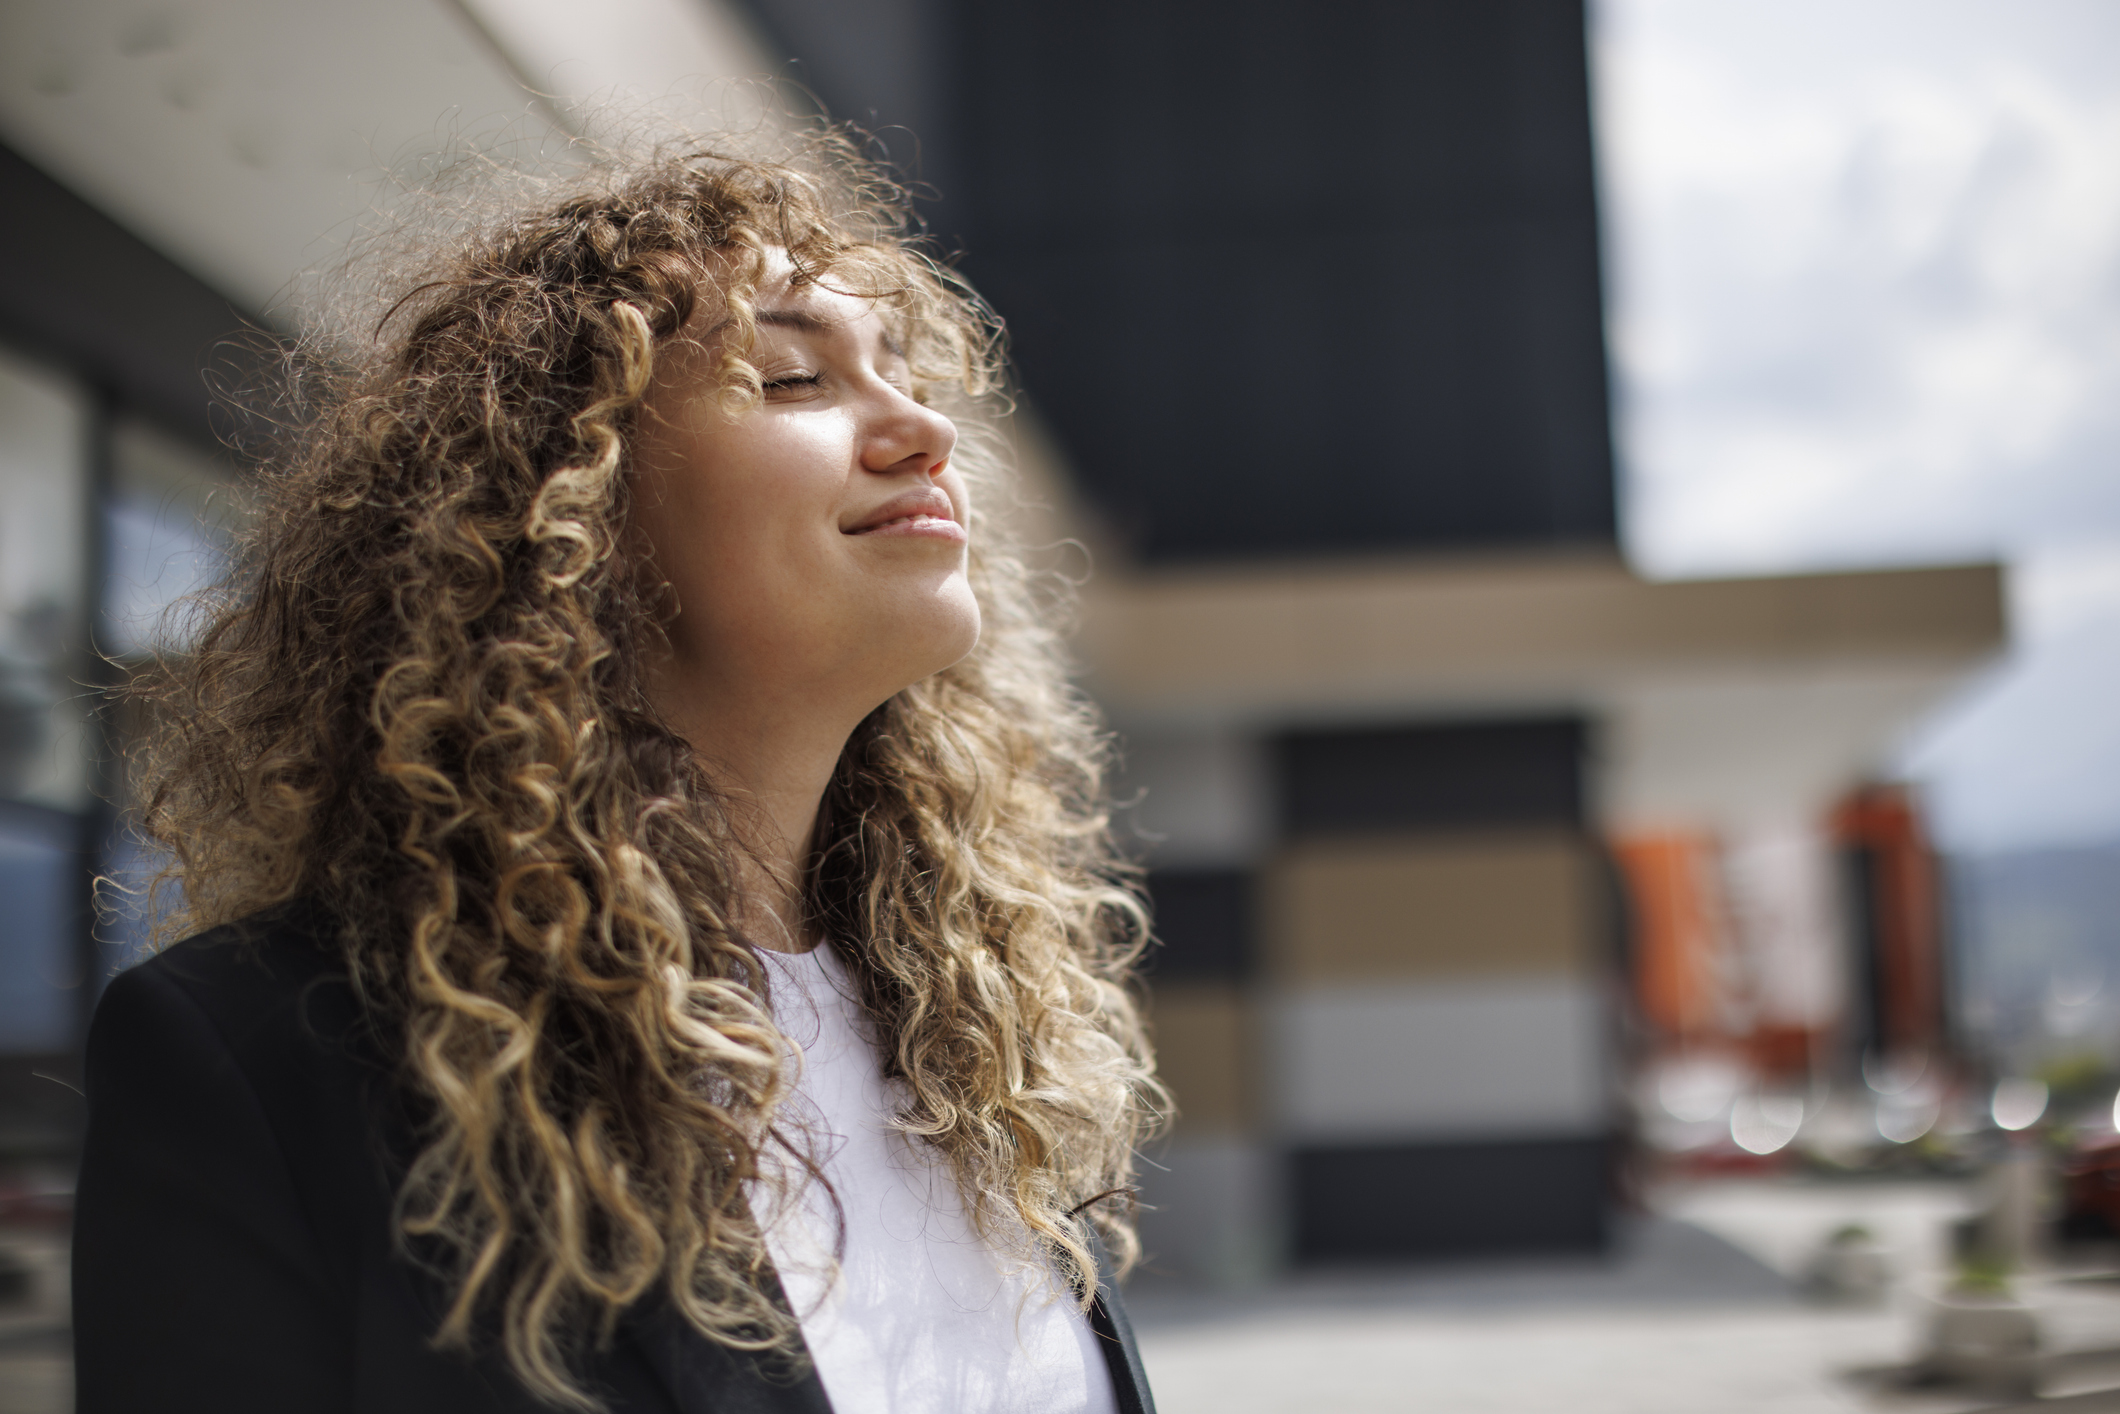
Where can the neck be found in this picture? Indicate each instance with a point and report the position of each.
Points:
(774, 764)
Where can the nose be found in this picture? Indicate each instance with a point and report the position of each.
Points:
(905, 435)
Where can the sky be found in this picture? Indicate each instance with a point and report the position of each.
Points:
(1864, 269)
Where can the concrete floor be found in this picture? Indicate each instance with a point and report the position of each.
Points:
(36, 1356)
(36, 1376)
(1645, 1361)
(1698, 1311)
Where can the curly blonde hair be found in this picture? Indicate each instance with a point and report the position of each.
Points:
(422, 701)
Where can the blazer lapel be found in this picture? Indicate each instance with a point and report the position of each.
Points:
(1115, 1337)
(703, 1376)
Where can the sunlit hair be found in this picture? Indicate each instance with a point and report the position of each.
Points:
(421, 701)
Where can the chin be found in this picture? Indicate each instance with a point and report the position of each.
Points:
(951, 632)
(911, 637)
(966, 625)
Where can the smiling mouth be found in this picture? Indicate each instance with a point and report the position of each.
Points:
(923, 524)
(927, 513)
(919, 519)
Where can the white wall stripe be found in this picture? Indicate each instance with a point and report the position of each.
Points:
(1355, 1063)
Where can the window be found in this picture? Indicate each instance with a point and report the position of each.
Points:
(44, 746)
(161, 517)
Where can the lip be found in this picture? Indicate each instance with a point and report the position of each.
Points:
(925, 513)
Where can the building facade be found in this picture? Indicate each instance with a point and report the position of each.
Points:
(1307, 307)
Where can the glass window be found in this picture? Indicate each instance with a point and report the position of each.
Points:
(43, 543)
(41, 891)
(167, 522)
(44, 744)
(166, 525)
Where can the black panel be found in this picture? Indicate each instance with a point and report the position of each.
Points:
(1450, 1200)
(1474, 775)
(1863, 1025)
(885, 66)
(77, 288)
(1203, 924)
(1299, 278)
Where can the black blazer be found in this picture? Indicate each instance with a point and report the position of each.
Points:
(232, 1242)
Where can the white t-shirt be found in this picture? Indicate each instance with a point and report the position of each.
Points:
(921, 1316)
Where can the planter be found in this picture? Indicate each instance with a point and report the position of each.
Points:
(1985, 1339)
(1850, 1272)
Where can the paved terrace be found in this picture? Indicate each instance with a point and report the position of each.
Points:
(1696, 1312)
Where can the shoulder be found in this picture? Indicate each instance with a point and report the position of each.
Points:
(231, 1195)
(243, 1053)
(274, 981)
(263, 1007)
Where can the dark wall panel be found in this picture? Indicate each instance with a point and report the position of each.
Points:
(1298, 278)
(1472, 775)
(1203, 923)
(1450, 1200)
(82, 291)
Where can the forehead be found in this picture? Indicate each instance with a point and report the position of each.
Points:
(823, 305)
(877, 289)
(814, 306)
(819, 309)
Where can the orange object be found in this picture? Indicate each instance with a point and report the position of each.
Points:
(1676, 902)
(1782, 1050)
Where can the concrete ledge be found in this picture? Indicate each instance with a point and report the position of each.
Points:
(1279, 639)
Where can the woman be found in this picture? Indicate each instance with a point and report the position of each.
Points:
(661, 948)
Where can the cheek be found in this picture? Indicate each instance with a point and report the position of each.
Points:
(784, 479)
(694, 498)
(678, 532)
(743, 526)
(663, 522)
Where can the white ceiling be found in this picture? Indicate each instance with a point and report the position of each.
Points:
(247, 139)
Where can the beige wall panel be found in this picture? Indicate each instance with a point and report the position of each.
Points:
(1425, 907)
(1204, 1052)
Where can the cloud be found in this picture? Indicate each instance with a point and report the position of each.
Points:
(1864, 264)
(1864, 315)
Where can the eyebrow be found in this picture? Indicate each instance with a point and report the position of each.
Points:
(801, 319)
(805, 322)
